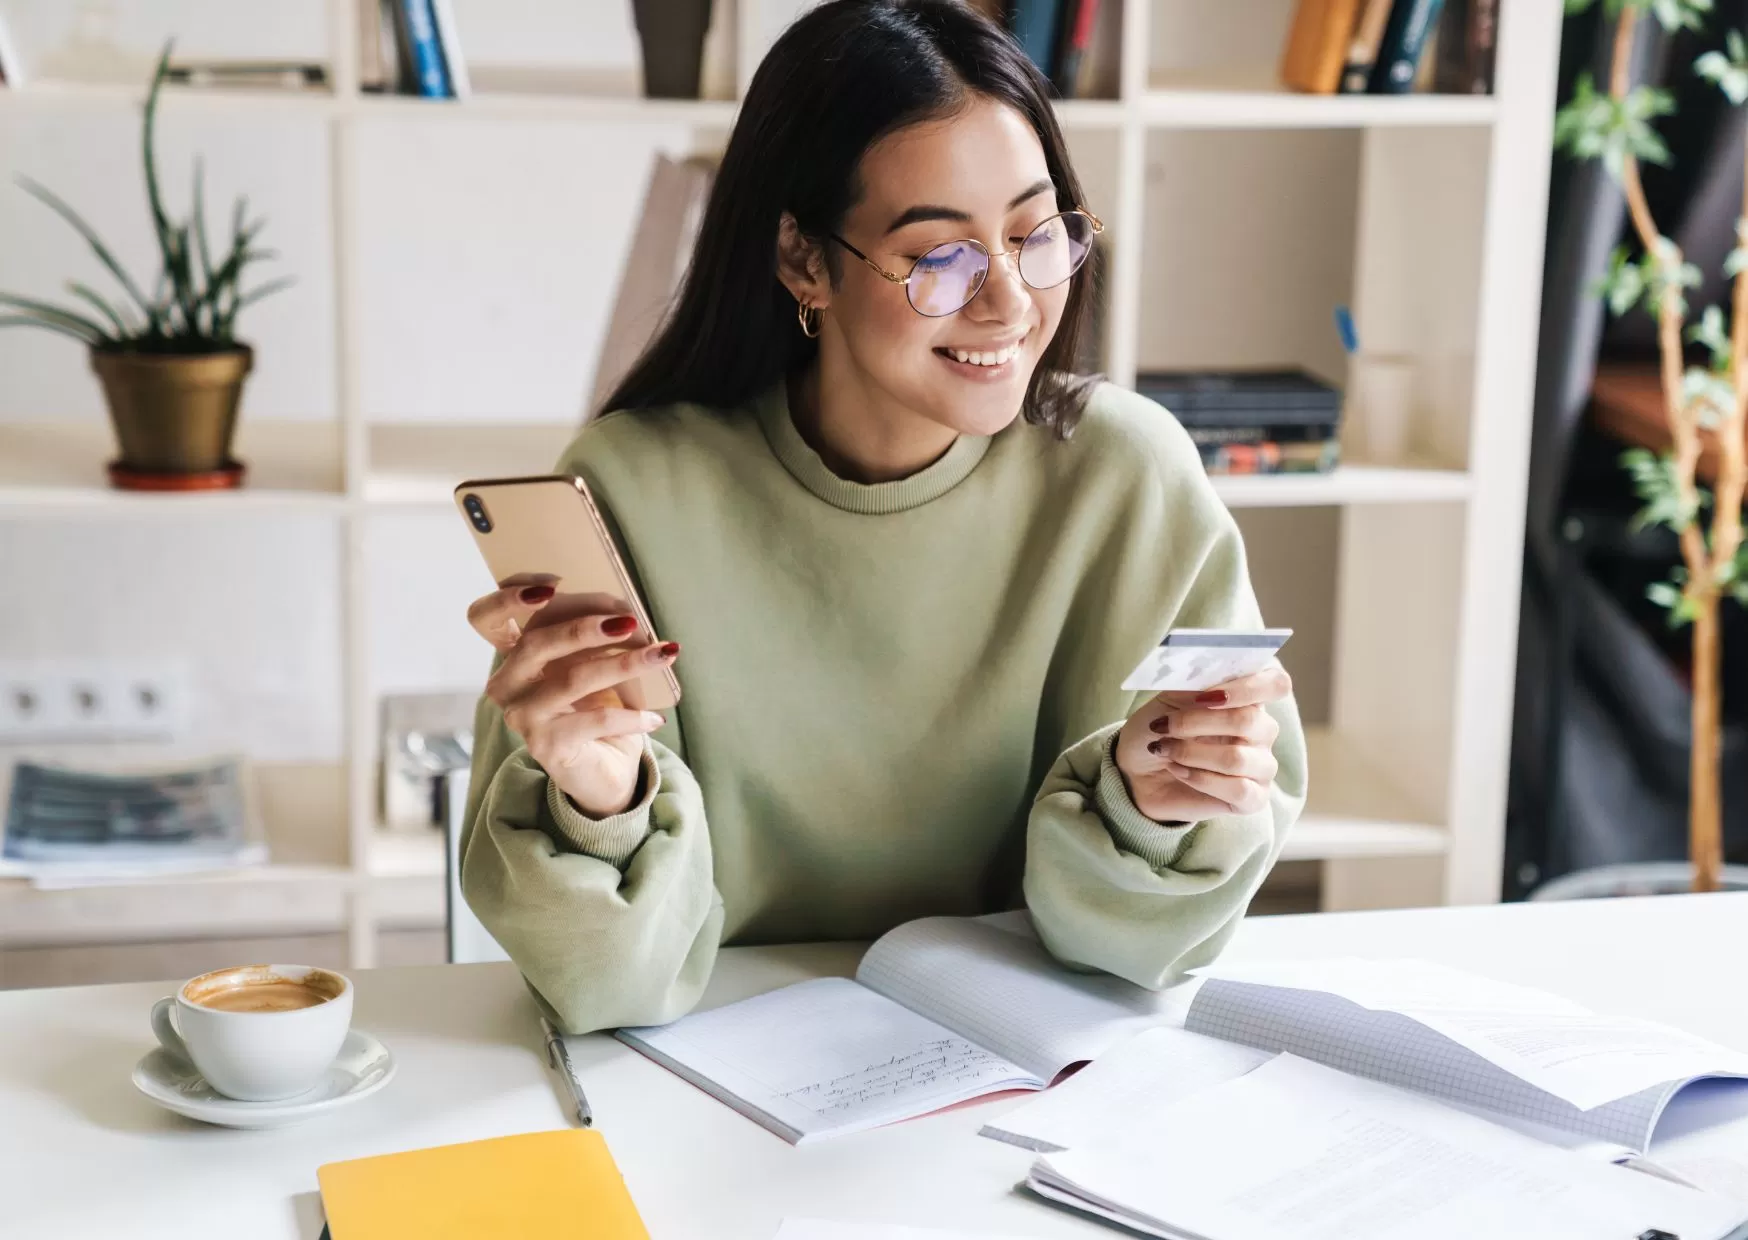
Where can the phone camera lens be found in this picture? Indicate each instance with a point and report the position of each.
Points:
(476, 511)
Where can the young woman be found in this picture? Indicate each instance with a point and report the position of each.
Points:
(911, 559)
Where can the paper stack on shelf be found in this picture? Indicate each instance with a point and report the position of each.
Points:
(1253, 421)
(68, 827)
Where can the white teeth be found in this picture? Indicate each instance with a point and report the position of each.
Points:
(980, 358)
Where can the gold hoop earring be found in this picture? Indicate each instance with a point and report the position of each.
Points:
(809, 317)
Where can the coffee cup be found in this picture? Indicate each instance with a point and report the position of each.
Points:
(258, 1032)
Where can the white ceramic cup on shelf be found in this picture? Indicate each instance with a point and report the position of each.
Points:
(1380, 399)
(258, 1032)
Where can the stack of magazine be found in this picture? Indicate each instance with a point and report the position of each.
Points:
(1253, 421)
(67, 826)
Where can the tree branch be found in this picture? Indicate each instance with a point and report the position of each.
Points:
(1683, 423)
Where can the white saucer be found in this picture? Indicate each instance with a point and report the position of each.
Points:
(364, 1066)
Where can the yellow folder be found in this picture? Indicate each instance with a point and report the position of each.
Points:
(561, 1185)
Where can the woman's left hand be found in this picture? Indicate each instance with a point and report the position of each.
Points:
(1189, 756)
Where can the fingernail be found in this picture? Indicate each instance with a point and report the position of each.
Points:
(1162, 725)
(652, 721)
(535, 594)
(664, 652)
(1214, 697)
(1159, 747)
(618, 626)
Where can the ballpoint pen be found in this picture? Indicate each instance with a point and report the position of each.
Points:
(559, 1057)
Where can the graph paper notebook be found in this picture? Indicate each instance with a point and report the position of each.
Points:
(1474, 1042)
(942, 1010)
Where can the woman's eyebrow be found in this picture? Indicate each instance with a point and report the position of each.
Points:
(927, 211)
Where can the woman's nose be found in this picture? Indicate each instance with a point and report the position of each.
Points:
(1004, 294)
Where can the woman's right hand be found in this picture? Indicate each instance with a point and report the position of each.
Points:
(557, 689)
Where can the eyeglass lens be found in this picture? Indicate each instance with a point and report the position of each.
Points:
(947, 277)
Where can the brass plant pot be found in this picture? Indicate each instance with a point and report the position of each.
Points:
(174, 414)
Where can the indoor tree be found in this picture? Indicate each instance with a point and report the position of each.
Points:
(1701, 401)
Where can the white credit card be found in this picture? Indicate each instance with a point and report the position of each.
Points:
(1191, 660)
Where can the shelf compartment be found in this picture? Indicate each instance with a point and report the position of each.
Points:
(57, 469)
(259, 901)
(1242, 99)
(1355, 811)
(1347, 484)
(422, 463)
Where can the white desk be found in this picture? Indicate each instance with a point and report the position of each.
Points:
(82, 1154)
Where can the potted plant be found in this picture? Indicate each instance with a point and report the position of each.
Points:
(1701, 403)
(170, 363)
(672, 34)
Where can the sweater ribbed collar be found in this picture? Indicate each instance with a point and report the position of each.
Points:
(876, 499)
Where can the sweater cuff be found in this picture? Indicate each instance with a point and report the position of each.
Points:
(614, 840)
(1158, 844)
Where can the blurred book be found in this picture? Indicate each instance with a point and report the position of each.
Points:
(1251, 421)
(379, 69)
(11, 68)
(1362, 46)
(411, 47)
(248, 74)
(1271, 457)
(1242, 397)
(66, 826)
(1036, 27)
(1317, 45)
(1467, 36)
(1411, 26)
(1075, 43)
(661, 249)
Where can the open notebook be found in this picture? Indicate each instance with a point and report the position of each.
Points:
(941, 1010)
(1296, 1151)
(1603, 1085)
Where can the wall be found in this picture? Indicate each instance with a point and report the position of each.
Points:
(489, 257)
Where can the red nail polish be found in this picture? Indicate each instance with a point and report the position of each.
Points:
(619, 626)
(535, 594)
(668, 650)
(1161, 725)
(1157, 747)
(1214, 697)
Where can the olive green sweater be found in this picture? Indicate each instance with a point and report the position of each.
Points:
(898, 700)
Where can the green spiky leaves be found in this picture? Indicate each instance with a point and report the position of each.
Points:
(1596, 125)
(194, 301)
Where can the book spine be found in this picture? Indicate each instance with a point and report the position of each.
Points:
(1270, 458)
(1316, 45)
(1411, 24)
(1449, 52)
(1033, 23)
(1310, 432)
(1362, 49)
(460, 87)
(1482, 42)
(429, 77)
(1078, 23)
(370, 36)
(11, 71)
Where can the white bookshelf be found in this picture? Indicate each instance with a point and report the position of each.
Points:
(1409, 758)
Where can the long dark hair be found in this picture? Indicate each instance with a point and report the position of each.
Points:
(840, 78)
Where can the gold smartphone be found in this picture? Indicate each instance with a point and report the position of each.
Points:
(547, 531)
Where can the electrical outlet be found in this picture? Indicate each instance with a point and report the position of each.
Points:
(92, 700)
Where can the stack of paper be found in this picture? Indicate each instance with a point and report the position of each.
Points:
(1293, 1149)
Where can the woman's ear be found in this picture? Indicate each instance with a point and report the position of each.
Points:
(801, 265)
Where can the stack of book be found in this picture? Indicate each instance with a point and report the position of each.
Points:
(1391, 47)
(1253, 421)
(1070, 41)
